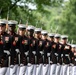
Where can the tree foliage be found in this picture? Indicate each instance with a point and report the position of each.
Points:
(68, 20)
(55, 16)
(11, 5)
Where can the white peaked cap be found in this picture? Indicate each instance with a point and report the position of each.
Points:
(44, 32)
(30, 27)
(57, 35)
(38, 29)
(51, 34)
(64, 36)
(3, 21)
(21, 26)
(12, 22)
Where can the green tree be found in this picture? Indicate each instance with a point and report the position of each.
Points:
(68, 20)
(10, 6)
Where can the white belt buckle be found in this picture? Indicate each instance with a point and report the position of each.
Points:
(6, 51)
(48, 54)
(29, 64)
(66, 55)
(17, 50)
(61, 55)
(34, 52)
(56, 54)
(26, 53)
(41, 52)
(75, 59)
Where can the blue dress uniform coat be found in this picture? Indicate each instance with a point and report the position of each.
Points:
(32, 47)
(40, 46)
(60, 48)
(15, 45)
(47, 49)
(5, 44)
(66, 54)
(54, 53)
(24, 47)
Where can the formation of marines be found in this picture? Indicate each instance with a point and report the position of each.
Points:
(33, 51)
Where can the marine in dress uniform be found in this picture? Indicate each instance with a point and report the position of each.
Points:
(72, 66)
(59, 48)
(32, 44)
(46, 45)
(32, 49)
(66, 55)
(24, 48)
(39, 51)
(5, 47)
(51, 39)
(15, 57)
(46, 50)
(54, 54)
(67, 49)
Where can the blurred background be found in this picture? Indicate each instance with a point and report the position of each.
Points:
(56, 16)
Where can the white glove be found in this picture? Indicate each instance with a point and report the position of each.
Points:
(8, 53)
(26, 53)
(29, 64)
(48, 54)
(17, 50)
(51, 62)
(37, 65)
(71, 64)
(11, 66)
(58, 64)
(45, 64)
(56, 54)
(34, 52)
(21, 65)
(61, 55)
(63, 63)
(41, 52)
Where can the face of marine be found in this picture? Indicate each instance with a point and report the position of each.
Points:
(64, 41)
(73, 49)
(11, 28)
(56, 40)
(30, 32)
(51, 39)
(38, 35)
(44, 37)
(22, 32)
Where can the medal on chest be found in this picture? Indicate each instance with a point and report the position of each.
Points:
(40, 43)
(6, 39)
(54, 46)
(25, 42)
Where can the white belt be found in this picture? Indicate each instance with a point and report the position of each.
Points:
(34, 52)
(56, 54)
(41, 52)
(21, 65)
(17, 50)
(6, 51)
(61, 55)
(29, 64)
(75, 59)
(26, 53)
(48, 54)
(67, 55)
